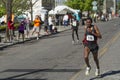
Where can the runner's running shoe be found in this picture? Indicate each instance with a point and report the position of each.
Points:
(87, 72)
(77, 41)
(97, 72)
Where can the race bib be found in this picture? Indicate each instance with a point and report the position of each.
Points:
(74, 23)
(90, 38)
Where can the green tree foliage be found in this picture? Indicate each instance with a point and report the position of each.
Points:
(118, 6)
(82, 5)
(2, 8)
(2, 11)
(88, 5)
(18, 6)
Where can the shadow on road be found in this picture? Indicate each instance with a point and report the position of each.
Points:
(34, 71)
(109, 73)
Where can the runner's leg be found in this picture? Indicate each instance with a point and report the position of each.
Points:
(86, 55)
(73, 34)
(77, 34)
(95, 56)
(97, 72)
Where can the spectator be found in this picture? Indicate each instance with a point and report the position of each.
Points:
(50, 22)
(65, 19)
(46, 26)
(11, 29)
(36, 27)
(27, 27)
(21, 30)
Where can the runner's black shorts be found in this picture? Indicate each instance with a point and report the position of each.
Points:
(93, 47)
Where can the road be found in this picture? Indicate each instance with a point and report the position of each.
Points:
(50, 58)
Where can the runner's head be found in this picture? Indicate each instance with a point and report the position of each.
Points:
(88, 22)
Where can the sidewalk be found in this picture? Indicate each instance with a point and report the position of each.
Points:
(109, 63)
(42, 34)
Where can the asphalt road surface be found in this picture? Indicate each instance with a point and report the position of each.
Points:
(50, 58)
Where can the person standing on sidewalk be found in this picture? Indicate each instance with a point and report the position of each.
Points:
(75, 25)
(27, 20)
(11, 30)
(36, 26)
(65, 20)
(50, 22)
(92, 33)
(46, 26)
(41, 23)
(21, 29)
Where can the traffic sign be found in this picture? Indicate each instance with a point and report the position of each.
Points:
(94, 3)
(94, 8)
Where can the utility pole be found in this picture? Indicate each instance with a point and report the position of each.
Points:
(55, 3)
(115, 5)
(104, 6)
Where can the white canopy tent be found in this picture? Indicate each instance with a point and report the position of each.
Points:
(62, 10)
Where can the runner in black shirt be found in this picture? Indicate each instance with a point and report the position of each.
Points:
(92, 33)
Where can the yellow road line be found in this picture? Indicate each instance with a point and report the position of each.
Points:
(103, 51)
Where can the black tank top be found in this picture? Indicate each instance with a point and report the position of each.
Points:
(91, 38)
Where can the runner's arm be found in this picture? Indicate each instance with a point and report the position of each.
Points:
(85, 27)
(98, 34)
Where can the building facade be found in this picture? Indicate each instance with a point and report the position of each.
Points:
(41, 7)
(48, 4)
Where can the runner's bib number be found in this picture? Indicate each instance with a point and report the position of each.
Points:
(74, 23)
(90, 38)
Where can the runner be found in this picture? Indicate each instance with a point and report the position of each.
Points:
(36, 26)
(75, 25)
(92, 33)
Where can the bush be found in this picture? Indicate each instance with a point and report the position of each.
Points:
(3, 27)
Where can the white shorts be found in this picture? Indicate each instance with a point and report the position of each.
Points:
(27, 27)
(36, 29)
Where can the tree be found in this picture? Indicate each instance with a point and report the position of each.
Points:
(11, 6)
(18, 6)
(31, 7)
(21, 6)
(82, 5)
(8, 7)
(75, 4)
(100, 5)
(2, 9)
(118, 6)
(88, 6)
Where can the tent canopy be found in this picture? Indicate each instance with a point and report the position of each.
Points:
(62, 10)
